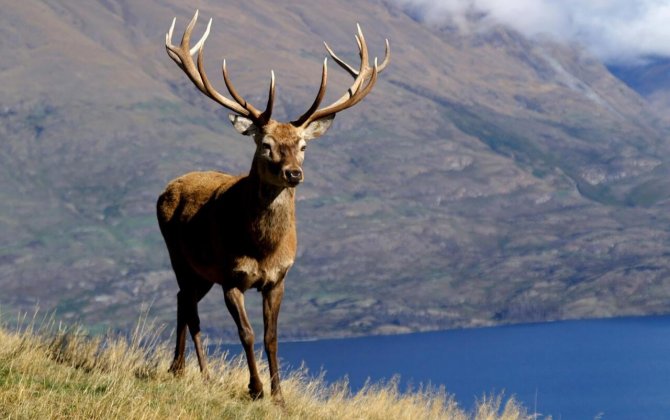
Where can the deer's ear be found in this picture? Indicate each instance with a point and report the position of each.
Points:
(243, 125)
(318, 128)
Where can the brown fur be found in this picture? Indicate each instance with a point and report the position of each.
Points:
(239, 232)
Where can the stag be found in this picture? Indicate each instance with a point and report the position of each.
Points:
(239, 231)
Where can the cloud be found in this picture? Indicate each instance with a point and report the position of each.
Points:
(617, 31)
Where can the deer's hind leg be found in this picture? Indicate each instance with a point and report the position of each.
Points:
(192, 288)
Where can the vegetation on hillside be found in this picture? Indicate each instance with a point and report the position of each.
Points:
(515, 180)
(59, 372)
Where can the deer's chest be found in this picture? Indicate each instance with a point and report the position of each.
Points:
(247, 273)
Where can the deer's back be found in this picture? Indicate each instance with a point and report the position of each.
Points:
(186, 196)
(189, 214)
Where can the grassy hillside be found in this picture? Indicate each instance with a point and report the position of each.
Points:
(60, 373)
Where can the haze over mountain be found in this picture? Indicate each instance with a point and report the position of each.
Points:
(616, 31)
(488, 178)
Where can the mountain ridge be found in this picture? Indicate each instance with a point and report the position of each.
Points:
(487, 179)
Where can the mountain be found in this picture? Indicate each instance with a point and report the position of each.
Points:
(651, 79)
(645, 78)
(488, 178)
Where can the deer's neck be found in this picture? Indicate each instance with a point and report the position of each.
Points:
(273, 215)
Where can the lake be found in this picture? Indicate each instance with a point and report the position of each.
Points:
(611, 368)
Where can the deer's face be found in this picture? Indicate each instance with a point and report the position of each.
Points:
(280, 148)
(280, 151)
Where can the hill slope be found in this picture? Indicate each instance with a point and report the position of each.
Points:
(487, 179)
(70, 376)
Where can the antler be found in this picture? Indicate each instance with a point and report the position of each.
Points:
(356, 92)
(183, 56)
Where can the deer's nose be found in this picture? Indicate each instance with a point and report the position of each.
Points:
(293, 175)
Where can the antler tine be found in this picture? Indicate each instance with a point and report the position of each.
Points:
(387, 55)
(357, 96)
(238, 98)
(351, 98)
(319, 96)
(353, 72)
(213, 93)
(359, 88)
(271, 98)
(199, 44)
(183, 56)
(186, 37)
(168, 44)
(362, 45)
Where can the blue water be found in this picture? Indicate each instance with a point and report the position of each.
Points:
(611, 369)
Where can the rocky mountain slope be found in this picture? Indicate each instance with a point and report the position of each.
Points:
(487, 179)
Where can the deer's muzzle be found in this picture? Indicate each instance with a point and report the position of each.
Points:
(293, 176)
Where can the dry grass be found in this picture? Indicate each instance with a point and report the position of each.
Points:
(56, 372)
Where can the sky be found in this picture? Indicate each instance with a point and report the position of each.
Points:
(617, 31)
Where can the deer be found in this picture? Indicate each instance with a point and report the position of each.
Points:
(240, 231)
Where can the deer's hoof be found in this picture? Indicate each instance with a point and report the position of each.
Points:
(177, 368)
(256, 391)
(278, 400)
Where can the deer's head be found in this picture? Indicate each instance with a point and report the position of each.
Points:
(280, 146)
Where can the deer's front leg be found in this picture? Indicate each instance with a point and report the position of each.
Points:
(271, 302)
(235, 303)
